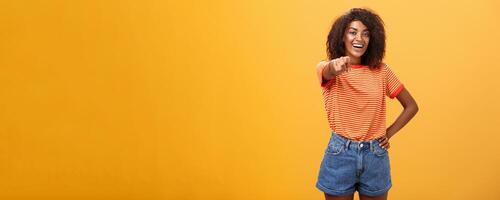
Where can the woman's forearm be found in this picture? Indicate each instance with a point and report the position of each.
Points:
(402, 120)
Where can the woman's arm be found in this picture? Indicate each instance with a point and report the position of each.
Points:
(410, 109)
(324, 72)
(327, 70)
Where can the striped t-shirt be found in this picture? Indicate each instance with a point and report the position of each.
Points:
(355, 101)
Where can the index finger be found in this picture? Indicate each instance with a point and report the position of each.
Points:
(347, 62)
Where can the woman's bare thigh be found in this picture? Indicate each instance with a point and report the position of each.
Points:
(347, 197)
(381, 197)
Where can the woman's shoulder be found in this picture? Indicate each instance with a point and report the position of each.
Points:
(383, 66)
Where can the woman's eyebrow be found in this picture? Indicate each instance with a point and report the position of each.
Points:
(357, 29)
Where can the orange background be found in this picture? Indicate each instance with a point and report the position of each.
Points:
(220, 100)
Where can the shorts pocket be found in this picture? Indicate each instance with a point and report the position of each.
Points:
(335, 147)
(378, 150)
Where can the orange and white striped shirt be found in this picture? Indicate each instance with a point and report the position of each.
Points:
(355, 101)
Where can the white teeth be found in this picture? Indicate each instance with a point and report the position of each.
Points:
(358, 45)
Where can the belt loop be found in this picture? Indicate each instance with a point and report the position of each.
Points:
(371, 145)
(347, 144)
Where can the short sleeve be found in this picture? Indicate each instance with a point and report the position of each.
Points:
(326, 83)
(393, 84)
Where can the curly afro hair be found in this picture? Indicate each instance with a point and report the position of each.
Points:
(376, 47)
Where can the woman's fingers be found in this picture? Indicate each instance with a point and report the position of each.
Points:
(341, 64)
(335, 65)
(345, 59)
(384, 142)
(347, 64)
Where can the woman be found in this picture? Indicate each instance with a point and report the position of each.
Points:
(355, 82)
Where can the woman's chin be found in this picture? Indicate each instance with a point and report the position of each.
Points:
(356, 55)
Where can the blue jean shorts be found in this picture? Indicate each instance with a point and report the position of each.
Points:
(349, 165)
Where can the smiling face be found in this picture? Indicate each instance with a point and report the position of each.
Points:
(356, 39)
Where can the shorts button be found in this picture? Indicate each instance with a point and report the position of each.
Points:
(361, 145)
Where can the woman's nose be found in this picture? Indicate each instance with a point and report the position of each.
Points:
(358, 37)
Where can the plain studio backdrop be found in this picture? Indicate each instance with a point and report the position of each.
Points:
(136, 99)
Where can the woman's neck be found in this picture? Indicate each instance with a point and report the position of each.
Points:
(354, 61)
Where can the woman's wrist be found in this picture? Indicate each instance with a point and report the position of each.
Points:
(389, 133)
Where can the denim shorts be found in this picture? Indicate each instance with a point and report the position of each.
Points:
(349, 165)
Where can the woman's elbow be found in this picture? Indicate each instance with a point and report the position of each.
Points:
(413, 108)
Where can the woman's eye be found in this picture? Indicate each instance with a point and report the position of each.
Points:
(352, 33)
(366, 34)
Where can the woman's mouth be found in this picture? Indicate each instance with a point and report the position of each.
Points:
(358, 46)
